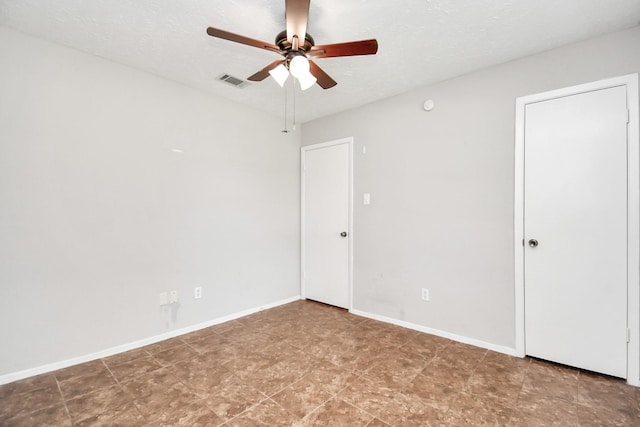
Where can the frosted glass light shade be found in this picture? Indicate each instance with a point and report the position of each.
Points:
(280, 74)
(306, 81)
(299, 66)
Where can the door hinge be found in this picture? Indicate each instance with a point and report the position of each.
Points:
(628, 335)
(628, 116)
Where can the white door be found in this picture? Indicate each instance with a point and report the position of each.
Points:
(325, 222)
(575, 230)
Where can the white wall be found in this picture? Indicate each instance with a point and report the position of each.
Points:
(442, 185)
(98, 215)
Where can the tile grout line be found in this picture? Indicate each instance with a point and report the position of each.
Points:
(318, 407)
(247, 409)
(524, 378)
(132, 400)
(112, 375)
(64, 401)
(367, 412)
(464, 386)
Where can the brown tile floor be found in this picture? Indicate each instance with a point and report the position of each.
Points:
(309, 364)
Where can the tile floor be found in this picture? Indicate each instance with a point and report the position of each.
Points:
(308, 364)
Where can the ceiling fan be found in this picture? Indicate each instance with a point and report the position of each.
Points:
(298, 47)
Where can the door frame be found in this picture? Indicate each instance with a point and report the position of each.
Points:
(303, 151)
(630, 81)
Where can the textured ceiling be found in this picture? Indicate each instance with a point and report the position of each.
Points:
(421, 41)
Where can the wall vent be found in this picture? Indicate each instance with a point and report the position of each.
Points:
(227, 78)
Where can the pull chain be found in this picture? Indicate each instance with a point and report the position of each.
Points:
(294, 103)
(286, 89)
(286, 102)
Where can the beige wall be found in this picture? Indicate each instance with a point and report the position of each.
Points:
(442, 185)
(98, 215)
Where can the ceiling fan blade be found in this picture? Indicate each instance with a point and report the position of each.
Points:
(296, 15)
(362, 47)
(264, 73)
(226, 35)
(324, 80)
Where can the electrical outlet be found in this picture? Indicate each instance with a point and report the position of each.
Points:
(425, 294)
(173, 297)
(163, 298)
(197, 292)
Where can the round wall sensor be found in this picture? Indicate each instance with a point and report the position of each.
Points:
(429, 104)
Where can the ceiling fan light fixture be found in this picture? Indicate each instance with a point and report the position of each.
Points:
(306, 81)
(299, 66)
(280, 74)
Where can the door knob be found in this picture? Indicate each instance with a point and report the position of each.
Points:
(343, 234)
(533, 243)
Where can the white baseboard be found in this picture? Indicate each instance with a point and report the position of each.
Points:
(15, 376)
(466, 340)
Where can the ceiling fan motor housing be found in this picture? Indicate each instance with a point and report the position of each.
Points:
(285, 45)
